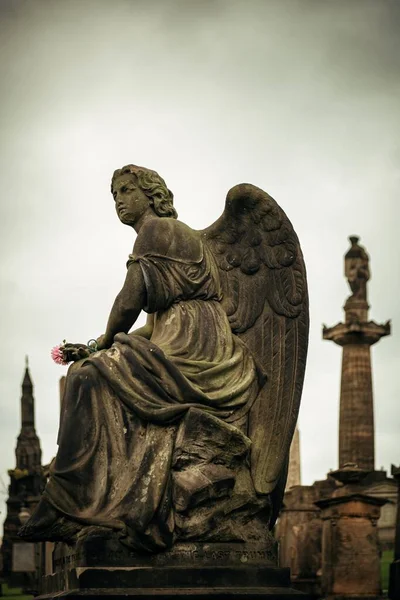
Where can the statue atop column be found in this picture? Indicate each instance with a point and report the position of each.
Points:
(357, 269)
(356, 335)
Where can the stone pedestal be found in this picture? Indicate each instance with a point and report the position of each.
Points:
(394, 576)
(104, 568)
(299, 532)
(350, 547)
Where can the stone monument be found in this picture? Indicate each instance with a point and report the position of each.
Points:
(26, 485)
(350, 542)
(294, 472)
(350, 550)
(308, 521)
(394, 580)
(174, 439)
(356, 336)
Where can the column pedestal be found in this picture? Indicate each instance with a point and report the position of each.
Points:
(394, 575)
(350, 547)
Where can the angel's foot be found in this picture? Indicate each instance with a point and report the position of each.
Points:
(47, 524)
(42, 518)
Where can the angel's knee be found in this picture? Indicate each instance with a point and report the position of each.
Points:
(85, 375)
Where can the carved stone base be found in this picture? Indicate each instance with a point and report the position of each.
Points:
(310, 586)
(106, 569)
(165, 582)
(394, 579)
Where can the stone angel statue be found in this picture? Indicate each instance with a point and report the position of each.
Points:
(180, 430)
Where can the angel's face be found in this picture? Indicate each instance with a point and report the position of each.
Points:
(130, 200)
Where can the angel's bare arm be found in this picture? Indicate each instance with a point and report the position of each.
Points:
(147, 329)
(127, 306)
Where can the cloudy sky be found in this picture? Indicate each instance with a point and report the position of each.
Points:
(298, 97)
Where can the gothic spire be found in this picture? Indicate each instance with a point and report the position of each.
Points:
(28, 452)
(27, 381)
(27, 400)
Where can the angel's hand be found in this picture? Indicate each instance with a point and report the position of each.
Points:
(74, 352)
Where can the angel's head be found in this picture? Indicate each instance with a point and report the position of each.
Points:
(137, 190)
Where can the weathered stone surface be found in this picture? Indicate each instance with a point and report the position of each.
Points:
(198, 485)
(350, 547)
(299, 534)
(103, 549)
(394, 577)
(100, 565)
(207, 457)
(23, 558)
(203, 439)
(294, 471)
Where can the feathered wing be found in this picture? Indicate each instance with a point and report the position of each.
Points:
(266, 300)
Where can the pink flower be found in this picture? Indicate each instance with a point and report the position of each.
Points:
(58, 356)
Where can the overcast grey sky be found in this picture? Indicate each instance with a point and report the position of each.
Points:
(298, 97)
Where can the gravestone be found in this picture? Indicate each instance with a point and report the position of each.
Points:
(350, 546)
(23, 557)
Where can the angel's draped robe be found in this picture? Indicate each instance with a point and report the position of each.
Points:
(122, 406)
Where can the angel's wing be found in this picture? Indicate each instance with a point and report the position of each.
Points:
(265, 297)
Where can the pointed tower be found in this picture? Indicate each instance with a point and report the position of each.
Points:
(26, 480)
(356, 336)
(28, 452)
(294, 472)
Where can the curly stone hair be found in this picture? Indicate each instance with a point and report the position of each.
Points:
(155, 188)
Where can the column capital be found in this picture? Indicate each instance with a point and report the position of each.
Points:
(356, 332)
(356, 504)
(395, 472)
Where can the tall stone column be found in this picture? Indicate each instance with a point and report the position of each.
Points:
(356, 335)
